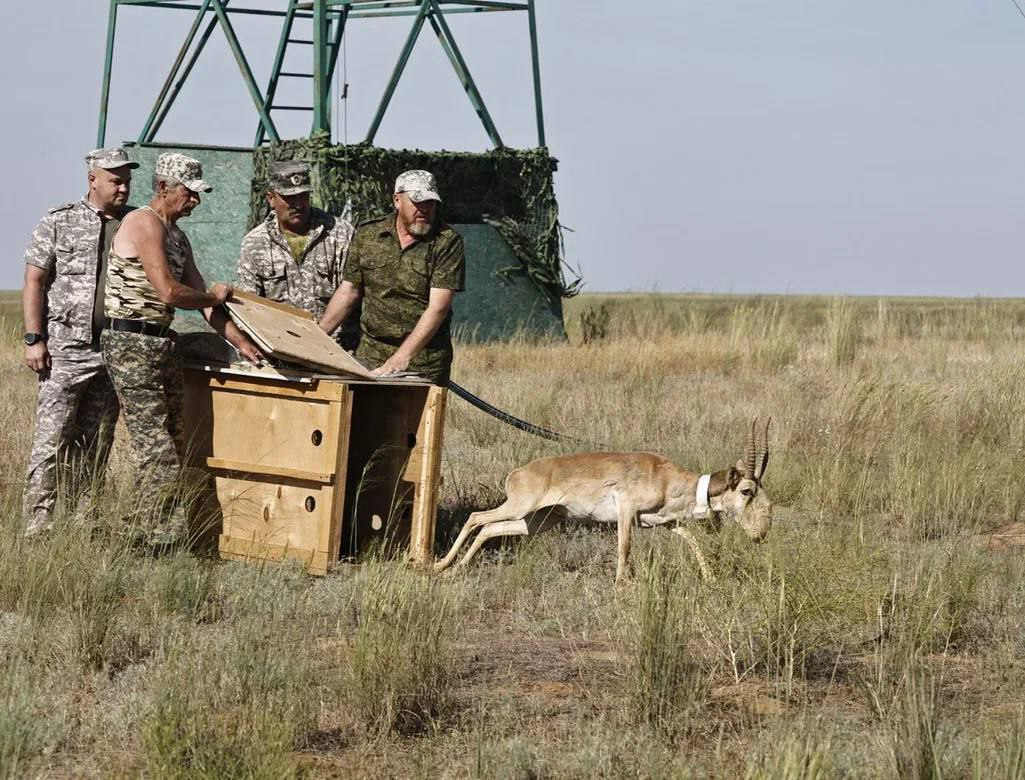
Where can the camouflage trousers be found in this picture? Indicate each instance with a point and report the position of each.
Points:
(147, 376)
(75, 417)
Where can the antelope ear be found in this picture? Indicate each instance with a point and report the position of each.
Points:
(733, 478)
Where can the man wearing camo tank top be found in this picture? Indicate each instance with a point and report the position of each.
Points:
(151, 272)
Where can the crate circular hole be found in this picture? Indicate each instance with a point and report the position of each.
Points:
(311, 503)
(317, 438)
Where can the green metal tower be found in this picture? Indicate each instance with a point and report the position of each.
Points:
(502, 201)
(330, 19)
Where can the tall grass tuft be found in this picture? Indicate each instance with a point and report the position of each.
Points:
(237, 709)
(915, 739)
(843, 332)
(797, 758)
(1007, 761)
(669, 686)
(95, 603)
(21, 727)
(397, 672)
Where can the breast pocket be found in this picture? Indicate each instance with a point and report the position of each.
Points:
(375, 272)
(414, 277)
(71, 260)
(274, 282)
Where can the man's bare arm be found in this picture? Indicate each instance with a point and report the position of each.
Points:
(340, 306)
(438, 306)
(217, 318)
(33, 304)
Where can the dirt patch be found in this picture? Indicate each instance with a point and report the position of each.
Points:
(549, 670)
(752, 697)
(1006, 538)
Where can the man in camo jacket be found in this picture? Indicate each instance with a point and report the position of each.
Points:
(296, 255)
(62, 301)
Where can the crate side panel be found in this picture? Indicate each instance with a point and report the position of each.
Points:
(280, 514)
(275, 430)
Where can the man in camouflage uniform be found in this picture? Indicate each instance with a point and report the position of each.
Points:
(297, 254)
(151, 272)
(405, 268)
(65, 269)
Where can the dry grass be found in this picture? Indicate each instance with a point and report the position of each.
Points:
(873, 634)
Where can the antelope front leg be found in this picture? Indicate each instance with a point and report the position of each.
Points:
(476, 520)
(504, 528)
(688, 537)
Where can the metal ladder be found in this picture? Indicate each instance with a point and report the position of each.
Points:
(333, 39)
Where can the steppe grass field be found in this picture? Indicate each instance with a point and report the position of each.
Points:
(879, 631)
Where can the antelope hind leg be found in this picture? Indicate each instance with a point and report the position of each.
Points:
(688, 537)
(626, 519)
(491, 531)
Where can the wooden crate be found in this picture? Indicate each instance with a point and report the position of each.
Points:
(315, 469)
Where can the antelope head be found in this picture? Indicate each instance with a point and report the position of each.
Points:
(736, 494)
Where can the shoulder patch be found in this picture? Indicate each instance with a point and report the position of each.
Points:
(63, 207)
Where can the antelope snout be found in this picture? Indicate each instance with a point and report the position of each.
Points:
(758, 528)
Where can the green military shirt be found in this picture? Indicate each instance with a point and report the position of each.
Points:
(396, 287)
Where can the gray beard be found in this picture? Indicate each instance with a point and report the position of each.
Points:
(419, 229)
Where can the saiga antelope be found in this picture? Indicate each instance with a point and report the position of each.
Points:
(627, 488)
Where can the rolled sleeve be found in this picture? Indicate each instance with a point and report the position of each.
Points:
(450, 266)
(40, 251)
(352, 271)
(345, 234)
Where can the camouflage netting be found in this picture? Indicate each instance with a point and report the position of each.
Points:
(509, 189)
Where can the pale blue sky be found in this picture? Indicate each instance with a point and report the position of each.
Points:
(791, 146)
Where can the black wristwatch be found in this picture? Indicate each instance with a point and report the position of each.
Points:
(34, 338)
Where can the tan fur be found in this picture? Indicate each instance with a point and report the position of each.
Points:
(627, 488)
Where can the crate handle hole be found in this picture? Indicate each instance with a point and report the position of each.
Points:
(317, 438)
(293, 333)
(311, 503)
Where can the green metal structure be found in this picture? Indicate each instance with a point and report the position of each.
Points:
(329, 19)
(513, 251)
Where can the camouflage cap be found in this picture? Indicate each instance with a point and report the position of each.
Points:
(185, 169)
(418, 185)
(108, 159)
(289, 177)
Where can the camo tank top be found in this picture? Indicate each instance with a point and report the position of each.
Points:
(129, 294)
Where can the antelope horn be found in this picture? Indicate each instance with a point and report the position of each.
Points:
(749, 457)
(764, 461)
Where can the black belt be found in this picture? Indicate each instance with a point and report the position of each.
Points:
(136, 326)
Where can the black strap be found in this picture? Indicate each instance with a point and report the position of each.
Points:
(516, 422)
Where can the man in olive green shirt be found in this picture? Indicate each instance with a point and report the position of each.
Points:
(406, 268)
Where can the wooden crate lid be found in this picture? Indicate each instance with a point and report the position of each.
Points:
(291, 334)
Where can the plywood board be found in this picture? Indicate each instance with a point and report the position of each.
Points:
(287, 333)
